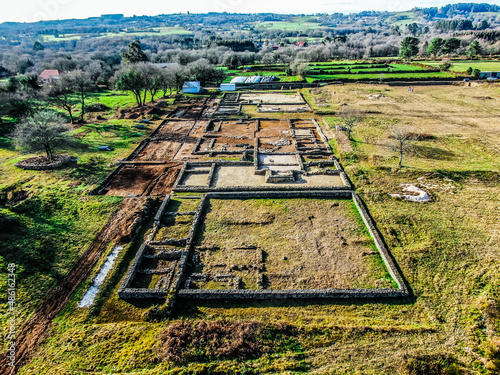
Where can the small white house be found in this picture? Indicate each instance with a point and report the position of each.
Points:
(191, 87)
(228, 87)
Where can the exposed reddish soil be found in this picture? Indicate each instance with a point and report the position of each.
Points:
(198, 129)
(235, 128)
(141, 112)
(191, 112)
(273, 128)
(140, 179)
(164, 184)
(303, 124)
(159, 150)
(171, 128)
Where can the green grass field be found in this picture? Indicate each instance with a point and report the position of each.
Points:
(463, 65)
(289, 26)
(384, 76)
(338, 70)
(281, 75)
(361, 70)
(52, 218)
(411, 18)
(160, 31)
(448, 249)
(61, 38)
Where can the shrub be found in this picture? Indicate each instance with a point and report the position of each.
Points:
(434, 364)
(207, 340)
(204, 340)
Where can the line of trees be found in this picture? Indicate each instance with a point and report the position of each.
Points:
(141, 77)
(410, 46)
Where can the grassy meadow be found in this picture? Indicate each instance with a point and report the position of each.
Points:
(158, 31)
(448, 249)
(462, 65)
(363, 70)
(47, 216)
(347, 71)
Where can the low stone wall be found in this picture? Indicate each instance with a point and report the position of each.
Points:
(211, 175)
(133, 293)
(346, 180)
(340, 194)
(279, 177)
(63, 160)
(242, 189)
(132, 271)
(237, 294)
(381, 245)
(161, 210)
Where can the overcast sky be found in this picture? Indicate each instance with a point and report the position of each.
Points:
(36, 10)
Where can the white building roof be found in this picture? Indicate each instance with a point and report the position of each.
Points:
(194, 84)
(239, 79)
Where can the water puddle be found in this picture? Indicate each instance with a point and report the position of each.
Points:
(88, 298)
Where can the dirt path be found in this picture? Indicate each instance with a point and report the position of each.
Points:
(120, 228)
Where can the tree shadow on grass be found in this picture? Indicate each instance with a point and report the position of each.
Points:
(7, 143)
(435, 153)
(185, 308)
(34, 242)
(91, 170)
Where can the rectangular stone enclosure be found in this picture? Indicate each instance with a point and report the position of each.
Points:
(261, 245)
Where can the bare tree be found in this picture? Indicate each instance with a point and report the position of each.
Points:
(82, 84)
(401, 141)
(129, 78)
(350, 119)
(45, 131)
(62, 95)
(153, 79)
(140, 79)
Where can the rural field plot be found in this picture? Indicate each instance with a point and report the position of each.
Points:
(365, 71)
(240, 129)
(174, 128)
(271, 98)
(159, 150)
(140, 179)
(286, 244)
(273, 128)
(290, 108)
(158, 261)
